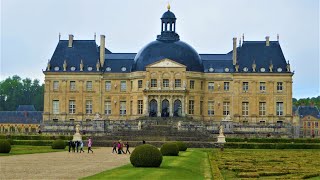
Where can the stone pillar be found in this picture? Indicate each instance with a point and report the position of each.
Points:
(146, 105)
(159, 106)
(171, 106)
(183, 106)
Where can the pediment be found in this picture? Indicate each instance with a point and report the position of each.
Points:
(166, 63)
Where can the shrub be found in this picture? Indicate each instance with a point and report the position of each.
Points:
(169, 149)
(146, 155)
(5, 146)
(182, 146)
(58, 144)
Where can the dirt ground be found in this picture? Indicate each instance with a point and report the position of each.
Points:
(60, 165)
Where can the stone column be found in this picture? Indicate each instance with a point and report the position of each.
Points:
(159, 106)
(183, 106)
(146, 105)
(171, 106)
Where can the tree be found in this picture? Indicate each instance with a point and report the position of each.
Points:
(15, 91)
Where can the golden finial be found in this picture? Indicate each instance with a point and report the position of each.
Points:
(168, 7)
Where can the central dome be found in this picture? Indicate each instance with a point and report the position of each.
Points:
(178, 51)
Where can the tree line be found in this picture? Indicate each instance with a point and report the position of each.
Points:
(306, 101)
(15, 91)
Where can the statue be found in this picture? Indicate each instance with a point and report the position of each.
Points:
(98, 65)
(81, 65)
(48, 66)
(270, 66)
(221, 137)
(139, 125)
(77, 135)
(65, 65)
(179, 125)
(221, 130)
(288, 66)
(237, 67)
(254, 66)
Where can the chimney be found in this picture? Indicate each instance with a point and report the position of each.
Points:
(234, 52)
(102, 49)
(70, 40)
(267, 41)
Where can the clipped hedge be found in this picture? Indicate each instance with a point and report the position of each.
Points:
(272, 145)
(32, 142)
(170, 149)
(182, 146)
(58, 144)
(273, 140)
(146, 155)
(5, 146)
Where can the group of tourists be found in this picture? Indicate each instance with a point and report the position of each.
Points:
(118, 147)
(78, 146)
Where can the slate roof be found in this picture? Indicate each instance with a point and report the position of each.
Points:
(25, 114)
(308, 110)
(26, 108)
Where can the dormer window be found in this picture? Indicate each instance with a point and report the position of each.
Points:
(108, 69)
(211, 69)
(123, 69)
(56, 68)
(89, 68)
(73, 68)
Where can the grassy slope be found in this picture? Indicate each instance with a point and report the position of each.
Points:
(24, 149)
(192, 164)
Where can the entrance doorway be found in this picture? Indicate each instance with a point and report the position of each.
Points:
(165, 108)
(177, 112)
(153, 107)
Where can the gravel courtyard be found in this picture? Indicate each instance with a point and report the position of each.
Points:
(60, 165)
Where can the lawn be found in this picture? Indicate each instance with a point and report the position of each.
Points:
(24, 149)
(265, 164)
(192, 164)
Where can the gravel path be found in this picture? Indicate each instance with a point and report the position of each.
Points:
(60, 165)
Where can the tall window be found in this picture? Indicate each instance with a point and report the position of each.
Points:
(201, 107)
(89, 86)
(123, 108)
(55, 85)
(279, 86)
(139, 83)
(177, 83)
(108, 85)
(165, 83)
(201, 85)
(279, 108)
(191, 106)
(88, 107)
(107, 107)
(140, 106)
(72, 85)
(263, 86)
(55, 106)
(210, 108)
(72, 107)
(262, 108)
(210, 86)
(153, 83)
(123, 86)
(245, 86)
(226, 108)
(245, 108)
(191, 84)
(226, 86)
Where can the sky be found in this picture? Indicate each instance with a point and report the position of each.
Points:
(30, 30)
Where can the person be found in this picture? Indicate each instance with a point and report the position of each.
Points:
(127, 148)
(90, 145)
(143, 141)
(69, 145)
(119, 147)
(114, 147)
(81, 147)
(73, 146)
(77, 146)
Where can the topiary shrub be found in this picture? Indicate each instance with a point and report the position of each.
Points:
(146, 155)
(58, 144)
(5, 146)
(182, 146)
(170, 149)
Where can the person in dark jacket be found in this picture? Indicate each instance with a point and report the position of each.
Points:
(127, 148)
(114, 147)
(69, 145)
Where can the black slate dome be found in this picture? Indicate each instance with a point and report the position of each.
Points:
(178, 51)
(168, 15)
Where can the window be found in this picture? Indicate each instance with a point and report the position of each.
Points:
(55, 85)
(262, 108)
(71, 120)
(177, 83)
(123, 108)
(55, 106)
(201, 85)
(262, 86)
(153, 83)
(279, 86)
(316, 124)
(89, 86)
(279, 108)
(245, 86)
(139, 83)
(123, 86)
(88, 107)
(191, 106)
(72, 106)
(131, 85)
(165, 83)
(72, 85)
(245, 108)
(226, 107)
(108, 85)
(309, 124)
(210, 108)
(226, 86)
(210, 86)
(140, 107)
(107, 107)
(191, 84)
(55, 120)
(201, 107)
(262, 123)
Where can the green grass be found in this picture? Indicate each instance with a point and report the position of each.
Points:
(24, 149)
(192, 164)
